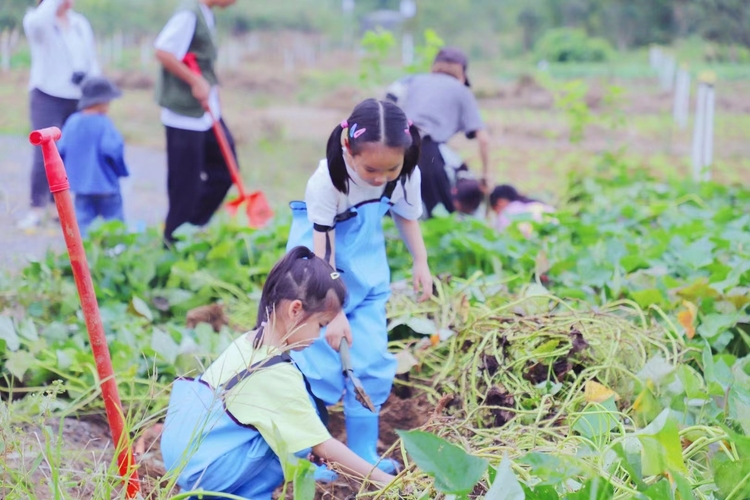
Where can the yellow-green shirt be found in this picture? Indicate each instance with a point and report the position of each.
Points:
(274, 400)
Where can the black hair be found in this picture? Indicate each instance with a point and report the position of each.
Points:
(382, 122)
(469, 195)
(301, 275)
(507, 192)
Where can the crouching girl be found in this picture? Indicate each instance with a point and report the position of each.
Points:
(228, 430)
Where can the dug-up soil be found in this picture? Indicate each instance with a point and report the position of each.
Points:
(87, 452)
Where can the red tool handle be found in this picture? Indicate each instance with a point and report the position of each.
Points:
(58, 182)
(191, 62)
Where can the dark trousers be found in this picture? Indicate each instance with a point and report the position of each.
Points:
(45, 111)
(197, 177)
(436, 187)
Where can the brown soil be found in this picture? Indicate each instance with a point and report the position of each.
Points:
(87, 446)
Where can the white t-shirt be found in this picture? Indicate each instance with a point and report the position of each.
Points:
(57, 52)
(175, 38)
(324, 201)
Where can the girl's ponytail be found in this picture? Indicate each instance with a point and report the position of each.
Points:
(411, 156)
(336, 164)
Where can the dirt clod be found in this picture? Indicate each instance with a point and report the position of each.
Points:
(213, 314)
(498, 396)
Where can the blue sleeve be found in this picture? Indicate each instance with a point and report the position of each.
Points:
(61, 144)
(113, 150)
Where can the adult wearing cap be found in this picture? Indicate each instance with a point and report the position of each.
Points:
(62, 55)
(441, 105)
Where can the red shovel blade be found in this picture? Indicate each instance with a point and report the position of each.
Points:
(257, 208)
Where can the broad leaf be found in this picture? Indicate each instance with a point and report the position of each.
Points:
(304, 481)
(662, 450)
(597, 419)
(8, 333)
(163, 345)
(454, 470)
(422, 326)
(140, 308)
(19, 362)
(505, 486)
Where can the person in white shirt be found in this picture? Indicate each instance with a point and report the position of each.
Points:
(370, 170)
(197, 175)
(63, 53)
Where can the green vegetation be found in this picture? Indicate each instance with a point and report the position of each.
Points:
(614, 340)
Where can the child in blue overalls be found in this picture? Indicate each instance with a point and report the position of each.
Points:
(369, 170)
(228, 430)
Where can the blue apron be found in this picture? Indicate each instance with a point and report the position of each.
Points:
(213, 451)
(361, 259)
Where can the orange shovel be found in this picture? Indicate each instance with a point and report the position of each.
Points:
(256, 205)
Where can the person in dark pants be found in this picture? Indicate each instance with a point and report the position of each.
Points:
(62, 54)
(197, 175)
(441, 105)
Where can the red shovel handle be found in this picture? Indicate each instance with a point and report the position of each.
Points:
(191, 62)
(59, 187)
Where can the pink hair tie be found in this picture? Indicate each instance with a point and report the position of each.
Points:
(344, 124)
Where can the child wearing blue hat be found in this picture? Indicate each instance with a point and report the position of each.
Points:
(93, 152)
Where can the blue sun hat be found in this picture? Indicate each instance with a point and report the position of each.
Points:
(97, 90)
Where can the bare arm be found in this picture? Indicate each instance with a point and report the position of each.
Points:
(412, 236)
(199, 85)
(335, 451)
(483, 140)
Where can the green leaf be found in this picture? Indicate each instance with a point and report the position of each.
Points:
(27, 330)
(631, 463)
(698, 254)
(454, 470)
(597, 419)
(714, 324)
(19, 362)
(662, 450)
(596, 488)
(551, 469)
(304, 481)
(660, 491)
(163, 345)
(728, 475)
(648, 297)
(140, 308)
(423, 326)
(505, 486)
(8, 334)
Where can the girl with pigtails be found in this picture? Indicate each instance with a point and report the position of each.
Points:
(370, 169)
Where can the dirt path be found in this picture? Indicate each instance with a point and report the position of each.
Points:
(144, 197)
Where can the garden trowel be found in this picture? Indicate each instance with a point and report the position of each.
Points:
(346, 364)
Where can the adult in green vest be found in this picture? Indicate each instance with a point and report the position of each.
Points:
(197, 175)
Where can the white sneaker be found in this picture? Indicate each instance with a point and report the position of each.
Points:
(30, 220)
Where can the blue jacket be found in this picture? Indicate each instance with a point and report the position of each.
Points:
(92, 150)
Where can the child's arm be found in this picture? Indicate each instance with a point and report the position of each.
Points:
(338, 328)
(336, 452)
(412, 236)
(113, 151)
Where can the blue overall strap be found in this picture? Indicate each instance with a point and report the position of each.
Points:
(275, 360)
(266, 363)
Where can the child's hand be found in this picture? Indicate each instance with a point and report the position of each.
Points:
(201, 90)
(338, 329)
(422, 278)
